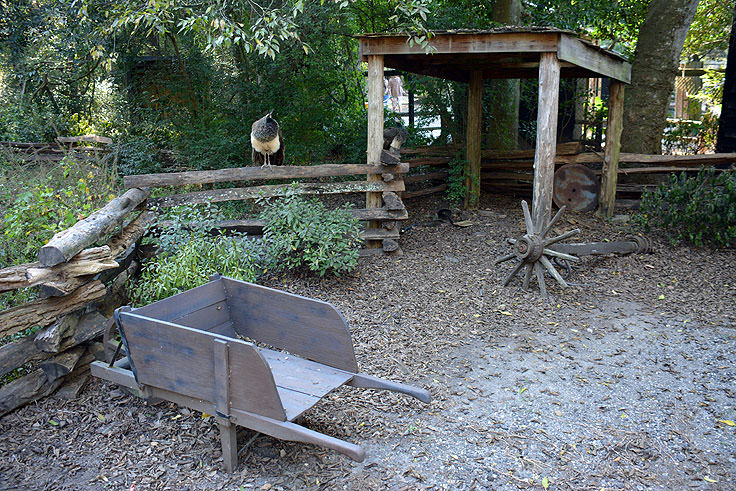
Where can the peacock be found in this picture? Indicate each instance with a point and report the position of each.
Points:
(267, 142)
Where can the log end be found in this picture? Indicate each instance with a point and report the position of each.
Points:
(51, 256)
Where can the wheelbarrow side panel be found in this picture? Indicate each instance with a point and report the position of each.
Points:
(190, 362)
(203, 307)
(310, 328)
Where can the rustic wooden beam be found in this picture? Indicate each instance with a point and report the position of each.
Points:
(25, 389)
(609, 174)
(429, 176)
(88, 262)
(66, 244)
(512, 42)
(249, 173)
(424, 192)
(44, 312)
(666, 160)
(575, 51)
(473, 139)
(375, 134)
(275, 190)
(544, 156)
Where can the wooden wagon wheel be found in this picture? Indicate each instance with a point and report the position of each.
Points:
(532, 252)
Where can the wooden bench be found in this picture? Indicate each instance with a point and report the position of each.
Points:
(188, 349)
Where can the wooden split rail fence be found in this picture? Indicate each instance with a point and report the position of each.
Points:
(512, 172)
(81, 147)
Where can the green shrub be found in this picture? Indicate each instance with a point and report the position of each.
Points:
(700, 210)
(303, 233)
(188, 255)
(192, 265)
(456, 188)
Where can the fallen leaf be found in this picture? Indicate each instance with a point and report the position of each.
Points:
(661, 297)
(545, 483)
(53, 423)
(727, 422)
(708, 479)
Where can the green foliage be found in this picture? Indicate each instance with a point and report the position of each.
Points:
(192, 265)
(700, 210)
(39, 207)
(37, 203)
(456, 188)
(188, 255)
(304, 233)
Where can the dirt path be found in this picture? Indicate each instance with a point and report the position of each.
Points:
(617, 383)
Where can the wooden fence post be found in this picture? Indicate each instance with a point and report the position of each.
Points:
(375, 135)
(609, 174)
(473, 137)
(546, 148)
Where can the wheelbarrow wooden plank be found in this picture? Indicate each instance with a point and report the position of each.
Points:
(306, 327)
(295, 403)
(185, 303)
(181, 359)
(206, 318)
(297, 374)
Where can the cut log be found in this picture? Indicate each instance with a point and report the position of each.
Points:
(392, 201)
(379, 234)
(251, 173)
(18, 353)
(389, 158)
(25, 389)
(275, 190)
(379, 214)
(131, 233)
(88, 262)
(49, 340)
(44, 312)
(66, 244)
(62, 364)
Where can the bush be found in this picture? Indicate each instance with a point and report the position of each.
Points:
(192, 265)
(303, 233)
(188, 255)
(700, 210)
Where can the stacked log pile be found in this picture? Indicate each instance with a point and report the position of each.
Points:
(78, 287)
(513, 173)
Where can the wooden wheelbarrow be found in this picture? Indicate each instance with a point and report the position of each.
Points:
(187, 349)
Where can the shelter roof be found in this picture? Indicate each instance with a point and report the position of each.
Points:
(505, 52)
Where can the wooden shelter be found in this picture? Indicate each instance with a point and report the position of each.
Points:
(470, 56)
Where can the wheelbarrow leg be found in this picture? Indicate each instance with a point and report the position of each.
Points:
(369, 382)
(229, 441)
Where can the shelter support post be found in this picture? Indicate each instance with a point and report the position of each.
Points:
(375, 135)
(609, 175)
(473, 137)
(546, 148)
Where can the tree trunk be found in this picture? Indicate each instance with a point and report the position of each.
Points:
(726, 140)
(503, 112)
(653, 72)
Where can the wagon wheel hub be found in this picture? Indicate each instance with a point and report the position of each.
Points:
(532, 253)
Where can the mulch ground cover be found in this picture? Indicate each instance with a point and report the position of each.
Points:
(624, 380)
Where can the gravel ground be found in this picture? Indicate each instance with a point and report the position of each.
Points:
(623, 381)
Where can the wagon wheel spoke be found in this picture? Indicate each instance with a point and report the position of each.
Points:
(561, 255)
(548, 265)
(527, 275)
(540, 279)
(564, 236)
(512, 273)
(527, 218)
(504, 258)
(554, 220)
